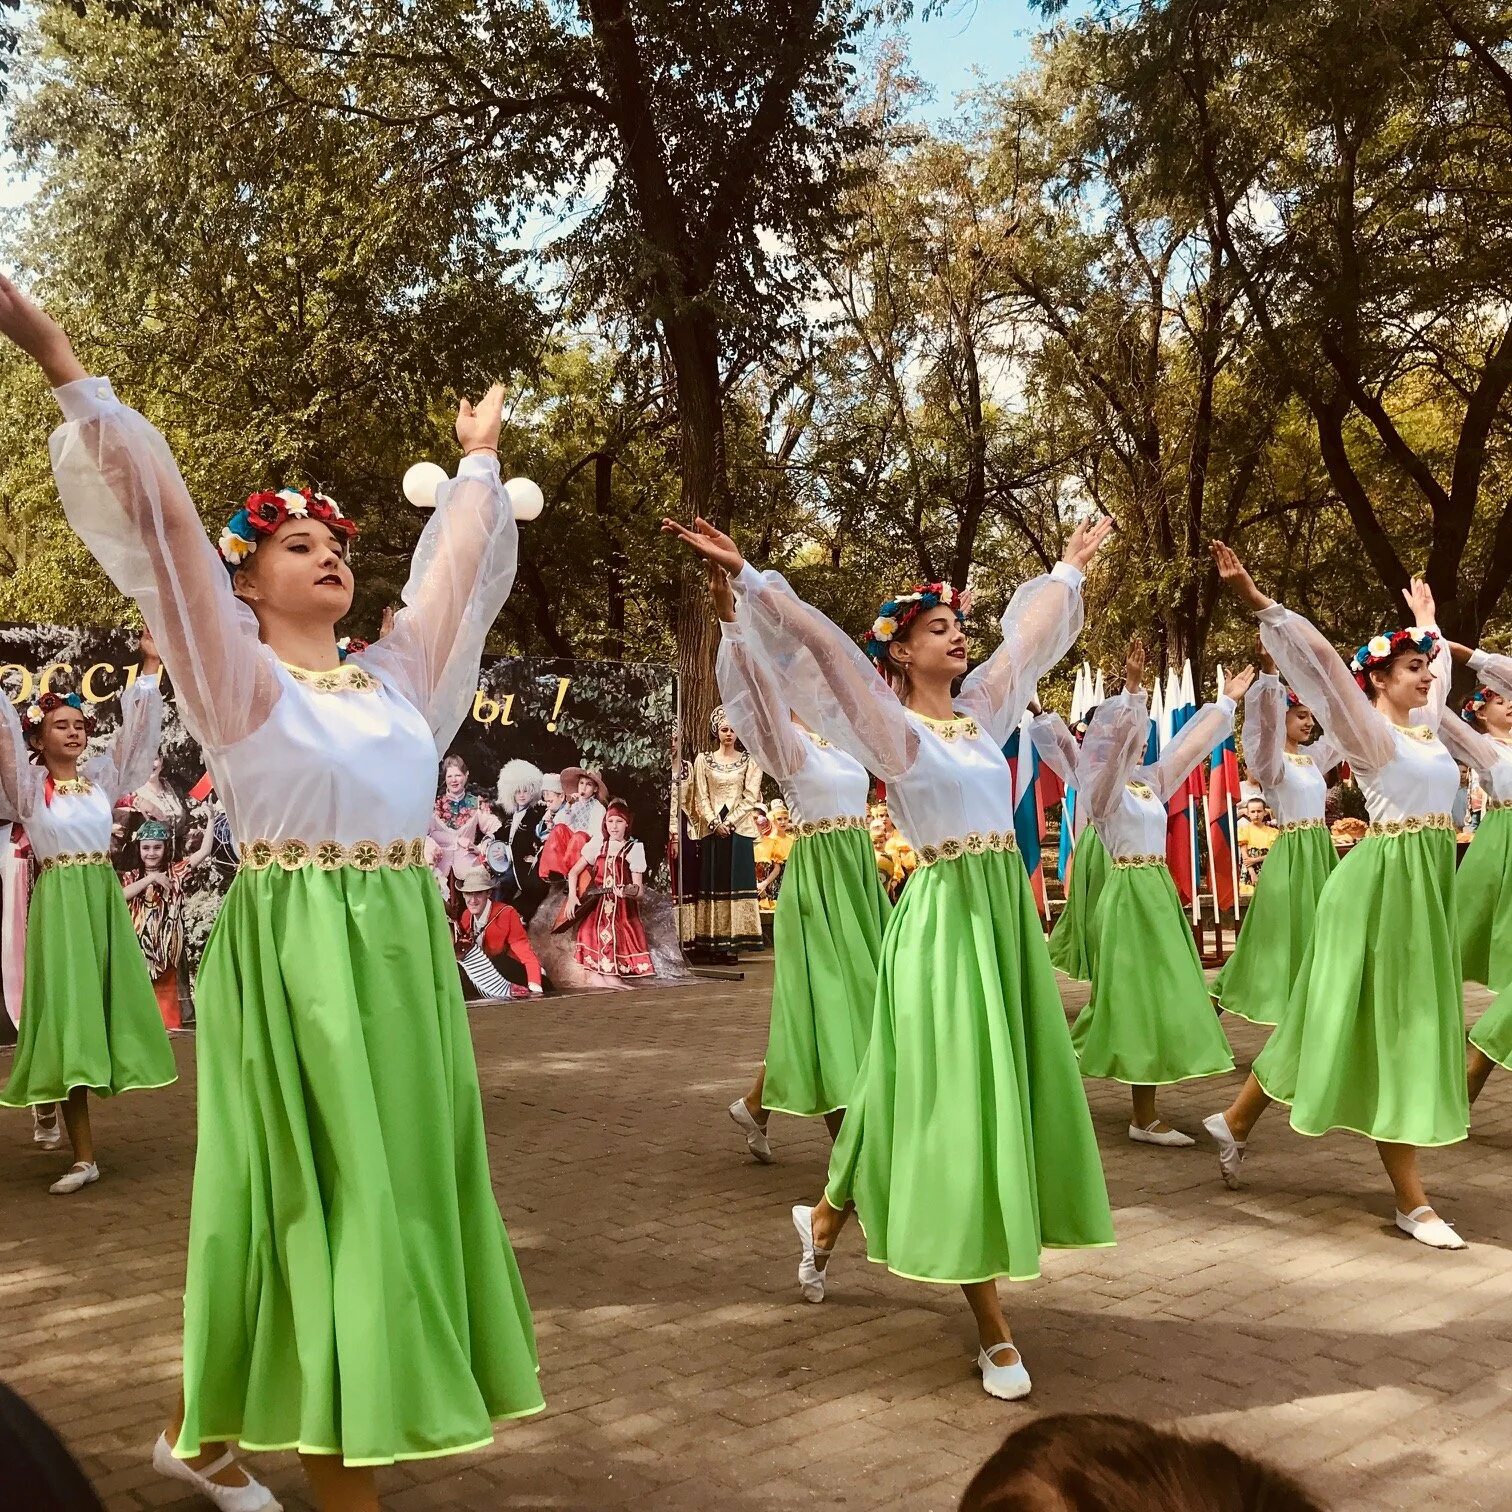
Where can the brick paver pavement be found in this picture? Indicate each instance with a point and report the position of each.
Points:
(681, 1369)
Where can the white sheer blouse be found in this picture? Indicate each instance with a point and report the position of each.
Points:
(1057, 748)
(1403, 773)
(338, 757)
(75, 822)
(946, 780)
(1295, 785)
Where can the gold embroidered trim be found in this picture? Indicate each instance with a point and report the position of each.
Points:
(1140, 789)
(347, 678)
(1496, 803)
(974, 844)
(1298, 758)
(1412, 825)
(76, 858)
(818, 740)
(962, 727)
(75, 786)
(1416, 732)
(829, 826)
(1126, 863)
(332, 855)
(1293, 825)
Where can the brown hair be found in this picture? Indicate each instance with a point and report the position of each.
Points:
(1094, 1462)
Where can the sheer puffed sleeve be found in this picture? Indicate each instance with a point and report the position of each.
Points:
(1467, 744)
(1040, 624)
(461, 574)
(755, 707)
(127, 764)
(1265, 730)
(1327, 686)
(1192, 743)
(825, 676)
(123, 495)
(1111, 751)
(1493, 671)
(1432, 713)
(1325, 754)
(1056, 745)
(21, 779)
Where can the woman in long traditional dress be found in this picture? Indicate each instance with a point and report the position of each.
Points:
(1256, 980)
(726, 790)
(351, 1291)
(967, 1146)
(1372, 1039)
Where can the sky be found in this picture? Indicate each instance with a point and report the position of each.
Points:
(990, 35)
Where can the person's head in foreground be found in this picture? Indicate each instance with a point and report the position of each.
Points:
(40, 1474)
(1093, 1462)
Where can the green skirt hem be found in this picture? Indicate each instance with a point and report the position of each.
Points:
(981, 1280)
(1249, 1018)
(1495, 1057)
(35, 1101)
(1343, 1128)
(1169, 1081)
(795, 1113)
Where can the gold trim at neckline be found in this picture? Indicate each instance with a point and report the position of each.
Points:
(1415, 732)
(1140, 789)
(1298, 758)
(960, 727)
(332, 855)
(347, 678)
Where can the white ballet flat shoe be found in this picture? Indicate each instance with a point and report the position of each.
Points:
(251, 1497)
(80, 1174)
(1006, 1382)
(1172, 1138)
(49, 1136)
(1433, 1232)
(1230, 1150)
(755, 1135)
(810, 1277)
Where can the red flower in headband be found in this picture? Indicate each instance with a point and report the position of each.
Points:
(897, 614)
(265, 512)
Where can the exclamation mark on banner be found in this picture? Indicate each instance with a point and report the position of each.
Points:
(563, 683)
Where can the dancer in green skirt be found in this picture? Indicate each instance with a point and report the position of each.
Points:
(1372, 1039)
(967, 1146)
(832, 908)
(1257, 979)
(1149, 1021)
(1059, 748)
(351, 1290)
(89, 1019)
(1482, 739)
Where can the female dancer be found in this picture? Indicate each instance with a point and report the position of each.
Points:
(726, 790)
(1256, 980)
(89, 1020)
(1373, 1036)
(1060, 749)
(832, 908)
(1149, 1021)
(967, 1145)
(351, 1291)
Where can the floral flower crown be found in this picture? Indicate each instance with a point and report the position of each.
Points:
(1292, 701)
(263, 513)
(897, 614)
(1474, 705)
(1379, 650)
(350, 645)
(38, 711)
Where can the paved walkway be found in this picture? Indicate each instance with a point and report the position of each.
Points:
(683, 1372)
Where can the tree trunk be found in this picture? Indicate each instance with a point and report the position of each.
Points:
(603, 507)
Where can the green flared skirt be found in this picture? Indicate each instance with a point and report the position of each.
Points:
(351, 1288)
(967, 1145)
(1256, 980)
(1483, 901)
(1149, 1021)
(1069, 945)
(1373, 1036)
(89, 1017)
(827, 935)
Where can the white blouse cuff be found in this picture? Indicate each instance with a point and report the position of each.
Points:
(146, 679)
(1268, 680)
(1478, 659)
(85, 398)
(1064, 572)
(729, 630)
(481, 464)
(1224, 704)
(1272, 614)
(747, 580)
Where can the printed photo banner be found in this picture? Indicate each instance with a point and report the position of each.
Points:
(531, 721)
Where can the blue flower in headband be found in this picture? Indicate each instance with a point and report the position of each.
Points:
(1379, 650)
(1475, 705)
(897, 614)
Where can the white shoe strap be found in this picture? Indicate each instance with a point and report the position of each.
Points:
(223, 1463)
(1412, 1217)
(996, 1347)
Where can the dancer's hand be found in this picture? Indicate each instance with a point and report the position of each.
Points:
(1419, 598)
(386, 624)
(721, 592)
(711, 544)
(1237, 684)
(478, 429)
(1234, 576)
(152, 663)
(1085, 541)
(1134, 666)
(32, 329)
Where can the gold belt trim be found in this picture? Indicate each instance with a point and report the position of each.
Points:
(1412, 825)
(1293, 825)
(830, 826)
(332, 855)
(974, 844)
(1126, 862)
(1496, 803)
(76, 858)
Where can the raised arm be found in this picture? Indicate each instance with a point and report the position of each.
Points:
(1494, 671)
(1057, 747)
(1469, 745)
(1113, 748)
(21, 779)
(1265, 730)
(461, 574)
(127, 763)
(755, 706)
(1192, 743)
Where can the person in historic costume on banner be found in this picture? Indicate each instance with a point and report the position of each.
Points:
(493, 949)
(89, 1020)
(611, 940)
(579, 819)
(518, 882)
(1059, 747)
(831, 909)
(967, 1146)
(1372, 1038)
(1256, 980)
(1149, 1021)
(726, 789)
(460, 826)
(154, 890)
(351, 1291)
